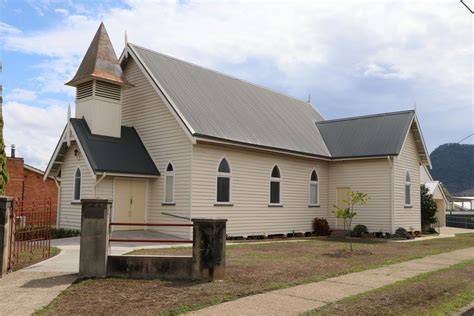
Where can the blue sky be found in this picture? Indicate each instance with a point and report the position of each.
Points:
(353, 57)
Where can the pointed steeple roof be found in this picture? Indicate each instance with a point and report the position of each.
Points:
(100, 61)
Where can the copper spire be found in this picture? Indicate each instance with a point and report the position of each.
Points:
(100, 61)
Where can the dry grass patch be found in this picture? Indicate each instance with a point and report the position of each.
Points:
(28, 258)
(435, 293)
(251, 268)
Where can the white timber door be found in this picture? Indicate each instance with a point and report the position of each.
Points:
(130, 203)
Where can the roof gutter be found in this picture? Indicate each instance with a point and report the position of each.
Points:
(128, 175)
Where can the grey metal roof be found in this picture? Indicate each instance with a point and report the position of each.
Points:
(366, 136)
(100, 61)
(214, 105)
(126, 154)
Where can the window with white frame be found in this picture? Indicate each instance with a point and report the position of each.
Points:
(275, 186)
(223, 182)
(77, 185)
(314, 189)
(169, 183)
(407, 189)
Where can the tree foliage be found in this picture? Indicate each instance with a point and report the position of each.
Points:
(3, 156)
(428, 208)
(347, 214)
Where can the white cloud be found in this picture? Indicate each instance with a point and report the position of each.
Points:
(35, 131)
(18, 94)
(375, 70)
(62, 11)
(6, 29)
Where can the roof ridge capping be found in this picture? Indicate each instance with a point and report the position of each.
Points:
(224, 74)
(366, 116)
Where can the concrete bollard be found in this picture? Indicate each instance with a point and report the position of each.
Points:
(94, 238)
(209, 248)
(5, 213)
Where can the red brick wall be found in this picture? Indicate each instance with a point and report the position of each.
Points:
(29, 186)
(16, 171)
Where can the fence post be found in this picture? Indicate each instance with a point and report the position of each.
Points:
(5, 226)
(209, 248)
(94, 238)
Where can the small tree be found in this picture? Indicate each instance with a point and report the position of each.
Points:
(428, 208)
(347, 214)
(3, 156)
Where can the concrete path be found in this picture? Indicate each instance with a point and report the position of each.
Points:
(298, 299)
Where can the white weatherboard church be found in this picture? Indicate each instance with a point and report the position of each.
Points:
(167, 140)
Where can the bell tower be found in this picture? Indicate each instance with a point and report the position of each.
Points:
(99, 82)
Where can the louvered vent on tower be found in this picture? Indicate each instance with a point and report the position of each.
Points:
(84, 90)
(107, 90)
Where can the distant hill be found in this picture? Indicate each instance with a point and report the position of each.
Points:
(453, 164)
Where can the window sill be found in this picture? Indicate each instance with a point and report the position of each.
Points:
(275, 205)
(223, 204)
(314, 205)
(76, 202)
(168, 203)
(408, 206)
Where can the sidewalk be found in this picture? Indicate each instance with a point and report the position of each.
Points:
(298, 299)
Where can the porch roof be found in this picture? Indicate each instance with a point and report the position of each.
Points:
(125, 155)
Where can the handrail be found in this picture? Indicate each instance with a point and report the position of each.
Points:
(151, 240)
(177, 216)
(149, 224)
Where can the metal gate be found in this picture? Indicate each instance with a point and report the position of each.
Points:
(30, 232)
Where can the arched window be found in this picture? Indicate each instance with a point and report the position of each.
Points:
(77, 185)
(223, 182)
(169, 184)
(275, 186)
(314, 189)
(407, 189)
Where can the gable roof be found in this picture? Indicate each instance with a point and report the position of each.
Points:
(100, 61)
(364, 136)
(217, 106)
(126, 154)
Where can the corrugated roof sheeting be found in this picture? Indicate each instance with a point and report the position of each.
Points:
(224, 107)
(375, 135)
(126, 154)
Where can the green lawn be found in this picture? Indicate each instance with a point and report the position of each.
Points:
(250, 269)
(435, 293)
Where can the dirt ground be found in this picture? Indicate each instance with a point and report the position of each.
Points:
(436, 293)
(250, 269)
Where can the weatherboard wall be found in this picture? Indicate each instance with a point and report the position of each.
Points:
(408, 217)
(371, 176)
(69, 211)
(166, 142)
(250, 213)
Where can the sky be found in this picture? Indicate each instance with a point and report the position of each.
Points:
(352, 57)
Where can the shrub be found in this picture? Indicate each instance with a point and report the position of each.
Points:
(64, 232)
(359, 231)
(401, 233)
(321, 227)
(428, 208)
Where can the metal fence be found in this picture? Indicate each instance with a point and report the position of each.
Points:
(30, 232)
(460, 221)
